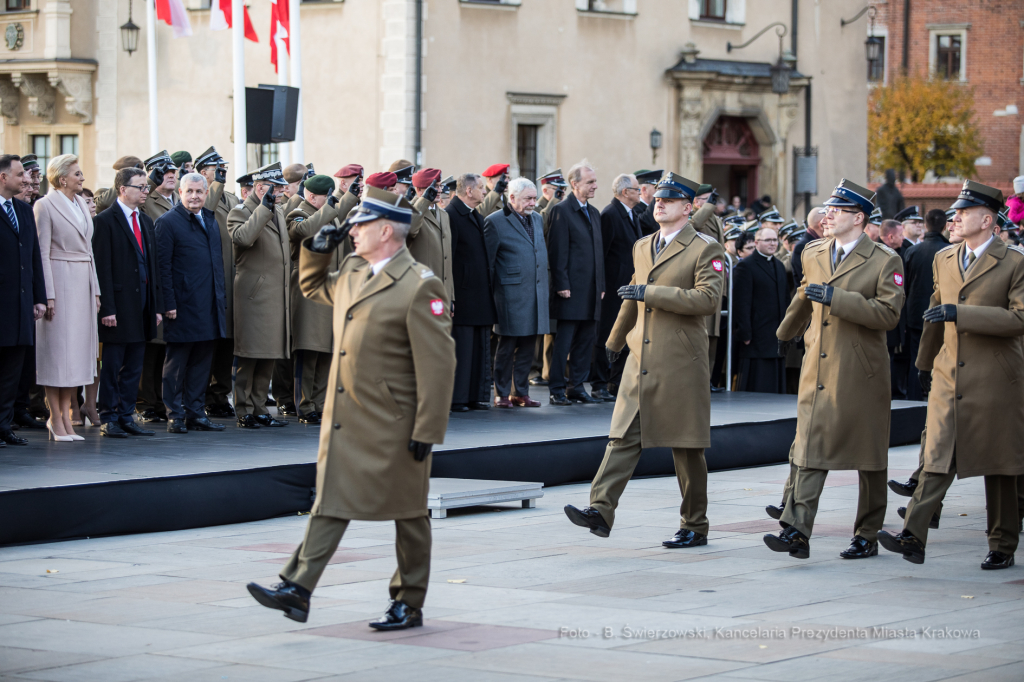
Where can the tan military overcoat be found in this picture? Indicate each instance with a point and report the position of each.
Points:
(221, 202)
(490, 204)
(845, 392)
(706, 222)
(667, 375)
(391, 381)
(433, 245)
(262, 270)
(976, 405)
(156, 205)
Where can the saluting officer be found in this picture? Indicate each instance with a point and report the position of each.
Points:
(971, 359)
(433, 245)
(851, 295)
(549, 186)
(162, 178)
(387, 404)
(663, 400)
(496, 177)
(312, 332)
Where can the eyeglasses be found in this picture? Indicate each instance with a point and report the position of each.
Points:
(634, 189)
(767, 241)
(837, 209)
(142, 188)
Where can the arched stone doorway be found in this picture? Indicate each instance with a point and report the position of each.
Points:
(731, 157)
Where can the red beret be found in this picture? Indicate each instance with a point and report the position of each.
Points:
(496, 169)
(349, 171)
(426, 176)
(382, 180)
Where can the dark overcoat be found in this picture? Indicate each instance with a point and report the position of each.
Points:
(21, 277)
(760, 291)
(576, 257)
(474, 298)
(618, 234)
(519, 270)
(917, 263)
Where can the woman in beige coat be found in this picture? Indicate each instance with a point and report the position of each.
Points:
(66, 337)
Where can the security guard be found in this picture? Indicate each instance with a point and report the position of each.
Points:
(262, 310)
(433, 245)
(648, 180)
(663, 400)
(851, 294)
(972, 361)
(387, 402)
(496, 177)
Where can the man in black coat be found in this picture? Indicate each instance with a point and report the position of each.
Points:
(576, 258)
(620, 228)
(814, 218)
(760, 292)
(890, 233)
(473, 312)
(917, 268)
(22, 292)
(192, 277)
(124, 249)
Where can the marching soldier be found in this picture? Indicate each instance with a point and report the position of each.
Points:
(259, 235)
(433, 245)
(851, 294)
(312, 332)
(663, 400)
(970, 364)
(496, 177)
(391, 383)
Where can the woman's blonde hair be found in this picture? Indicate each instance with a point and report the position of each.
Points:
(58, 167)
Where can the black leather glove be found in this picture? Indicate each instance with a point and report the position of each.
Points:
(501, 185)
(819, 293)
(332, 200)
(220, 175)
(410, 194)
(941, 313)
(632, 292)
(302, 189)
(329, 236)
(559, 193)
(268, 199)
(784, 347)
(356, 189)
(310, 173)
(926, 380)
(713, 198)
(419, 450)
(612, 355)
(157, 176)
(430, 194)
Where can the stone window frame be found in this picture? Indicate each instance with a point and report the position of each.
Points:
(936, 30)
(538, 110)
(628, 10)
(883, 33)
(735, 15)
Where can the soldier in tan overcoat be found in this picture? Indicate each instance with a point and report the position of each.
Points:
(392, 375)
(312, 326)
(433, 245)
(851, 294)
(262, 309)
(972, 358)
(706, 222)
(496, 177)
(663, 400)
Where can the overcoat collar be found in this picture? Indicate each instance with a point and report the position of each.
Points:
(856, 258)
(995, 252)
(125, 227)
(392, 272)
(634, 227)
(517, 225)
(674, 247)
(61, 204)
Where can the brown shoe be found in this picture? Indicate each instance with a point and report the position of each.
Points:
(502, 402)
(524, 401)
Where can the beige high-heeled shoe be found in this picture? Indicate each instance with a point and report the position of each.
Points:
(54, 436)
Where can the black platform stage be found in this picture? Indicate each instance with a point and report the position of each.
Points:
(52, 491)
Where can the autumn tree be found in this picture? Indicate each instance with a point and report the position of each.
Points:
(917, 125)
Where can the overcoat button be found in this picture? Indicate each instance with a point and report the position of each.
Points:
(647, 340)
(349, 316)
(824, 324)
(341, 389)
(337, 426)
(824, 355)
(650, 279)
(820, 387)
(648, 310)
(644, 372)
(341, 353)
(963, 298)
(960, 364)
(959, 397)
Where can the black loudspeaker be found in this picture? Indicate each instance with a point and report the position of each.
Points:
(270, 113)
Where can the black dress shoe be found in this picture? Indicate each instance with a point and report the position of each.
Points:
(151, 416)
(177, 426)
(459, 407)
(288, 410)
(589, 518)
(790, 540)
(775, 512)
(270, 402)
(247, 421)
(996, 560)
(685, 538)
(603, 395)
(113, 430)
(581, 397)
(559, 399)
(311, 418)
(933, 523)
(904, 543)
(9, 438)
(203, 424)
(479, 406)
(224, 411)
(538, 381)
(860, 548)
(717, 389)
(133, 429)
(25, 420)
(286, 596)
(905, 489)
(399, 616)
(267, 420)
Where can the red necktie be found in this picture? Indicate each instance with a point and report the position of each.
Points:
(135, 229)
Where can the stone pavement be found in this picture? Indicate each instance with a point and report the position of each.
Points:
(521, 594)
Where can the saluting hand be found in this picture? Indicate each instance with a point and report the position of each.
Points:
(329, 236)
(268, 199)
(220, 175)
(941, 313)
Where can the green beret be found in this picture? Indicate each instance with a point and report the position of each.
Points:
(181, 157)
(319, 184)
(704, 189)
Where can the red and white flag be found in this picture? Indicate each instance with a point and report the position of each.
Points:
(220, 18)
(279, 26)
(173, 13)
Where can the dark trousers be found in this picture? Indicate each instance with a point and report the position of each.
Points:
(603, 373)
(472, 364)
(119, 381)
(574, 340)
(252, 383)
(512, 363)
(282, 385)
(151, 383)
(312, 372)
(186, 373)
(219, 390)
(11, 359)
(899, 370)
(914, 390)
(31, 398)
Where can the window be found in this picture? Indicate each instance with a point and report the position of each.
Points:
(68, 144)
(947, 57)
(712, 9)
(269, 153)
(41, 148)
(612, 7)
(527, 151)
(16, 5)
(876, 69)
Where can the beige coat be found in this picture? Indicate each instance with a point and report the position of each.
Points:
(67, 346)
(433, 245)
(392, 373)
(221, 202)
(976, 405)
(490, 204)
(156, 205)
(667, 375)
(706, 222)
(104, 199)
(845, 392)
(262, 270)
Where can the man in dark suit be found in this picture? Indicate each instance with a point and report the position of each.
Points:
(760, 293)
(473, 312)
(192, 276)
(918, 261)
(814, 218)
(620, 228)
(22, 292)
(890, 233)
(576, 257)
(648, 180)
(124, 248)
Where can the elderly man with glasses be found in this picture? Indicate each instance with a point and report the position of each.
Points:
(761, 294)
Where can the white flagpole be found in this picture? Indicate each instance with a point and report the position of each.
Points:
(285, 149)
(238, 83)
(154, 126)
(295, 65)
